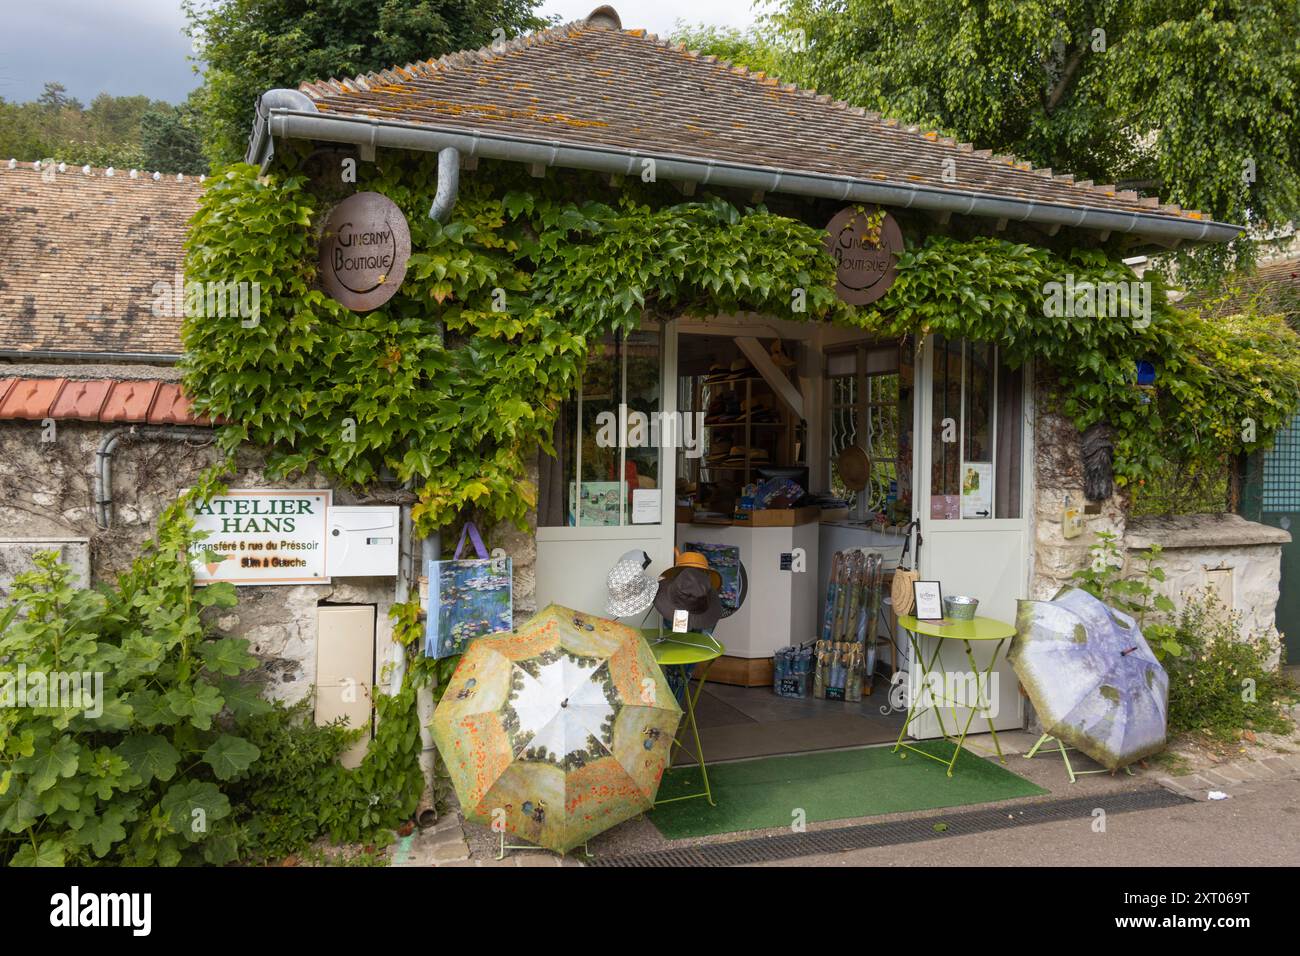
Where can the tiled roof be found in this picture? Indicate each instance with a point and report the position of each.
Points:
(590, 84)
(1275, 286)
(149, 401)
(80, 253)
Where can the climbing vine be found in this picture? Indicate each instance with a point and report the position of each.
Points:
(1223, 385)
(458, 378)
(522, 280)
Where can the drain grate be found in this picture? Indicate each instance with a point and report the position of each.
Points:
(787, 846)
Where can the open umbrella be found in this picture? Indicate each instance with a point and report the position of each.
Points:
(558, 730)
(1091, 676)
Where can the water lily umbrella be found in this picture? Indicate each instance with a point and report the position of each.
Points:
(1091, 677)
(559, 730)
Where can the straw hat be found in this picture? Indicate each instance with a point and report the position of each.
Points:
(853, 467)
(695, 560)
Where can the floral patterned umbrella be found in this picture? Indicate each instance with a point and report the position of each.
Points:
(1091, 676)
(559, 730)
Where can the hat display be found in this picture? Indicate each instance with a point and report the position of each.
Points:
(631, 590)
(854, 467)
(636, 554)
(692, 590)
(740, 368)
(718, 372)
(737, 456)
(692, 560)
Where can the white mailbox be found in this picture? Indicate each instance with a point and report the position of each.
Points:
(362, 542)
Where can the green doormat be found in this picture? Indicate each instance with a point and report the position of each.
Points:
(835, 785)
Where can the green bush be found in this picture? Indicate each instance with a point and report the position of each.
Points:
(138, 773)
(1222, 684)
(280, 801)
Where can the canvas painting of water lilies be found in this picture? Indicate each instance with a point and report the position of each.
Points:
(467, 599)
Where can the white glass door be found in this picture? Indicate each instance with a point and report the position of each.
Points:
(974, 456)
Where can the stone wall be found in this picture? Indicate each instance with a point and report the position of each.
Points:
(46, 493)
(1193, 544)
(1195, 547)
(1058, 474)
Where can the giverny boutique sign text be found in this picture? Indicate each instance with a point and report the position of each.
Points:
(363, 251)
(259, 536)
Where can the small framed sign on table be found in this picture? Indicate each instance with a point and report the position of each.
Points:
(929, 600)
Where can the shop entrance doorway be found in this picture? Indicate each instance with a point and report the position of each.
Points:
(974, 449)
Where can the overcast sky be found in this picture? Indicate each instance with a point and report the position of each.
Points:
(136, 46)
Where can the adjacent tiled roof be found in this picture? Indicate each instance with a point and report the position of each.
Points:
(149, 401)
(1274, 285)
(589, 84)
(80, 253)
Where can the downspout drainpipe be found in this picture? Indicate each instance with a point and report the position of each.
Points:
(448, 184)
(427, 813)
(103, 470)
(414, 559)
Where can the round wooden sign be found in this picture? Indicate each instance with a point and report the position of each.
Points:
(864, 262)
(363, 251)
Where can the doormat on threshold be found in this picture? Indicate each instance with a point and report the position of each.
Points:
(764, 794)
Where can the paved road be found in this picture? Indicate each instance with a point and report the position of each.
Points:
(1259, 828)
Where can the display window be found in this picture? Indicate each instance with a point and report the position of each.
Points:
(976, 433)
(608, 439)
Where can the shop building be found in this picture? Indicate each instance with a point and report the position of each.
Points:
(962, 448)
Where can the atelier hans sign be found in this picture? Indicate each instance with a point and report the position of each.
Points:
(363, 251)
(865, 244)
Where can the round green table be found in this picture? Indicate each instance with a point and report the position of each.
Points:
(686, 651)
(976, 629)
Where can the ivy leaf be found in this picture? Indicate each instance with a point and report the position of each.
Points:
(102, 831)
(227, 656)
(221, 848)
(150, 756)
(49, 853)
(230, 756)
(200, 702)
(49, 764)
(244, 700)
(193, 807)
(22, 811)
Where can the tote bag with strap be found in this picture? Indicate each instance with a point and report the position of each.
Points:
(468, 597)
(901, 594)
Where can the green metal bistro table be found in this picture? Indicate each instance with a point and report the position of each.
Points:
(976, 629)
(685, 651)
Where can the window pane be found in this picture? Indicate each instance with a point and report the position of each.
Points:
(977, 433)
(611, 432)
(1006, 502)
(945, 427)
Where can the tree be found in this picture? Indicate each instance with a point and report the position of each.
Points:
(1191, 100)
(170, 139)
(55, 97)
(250, 46)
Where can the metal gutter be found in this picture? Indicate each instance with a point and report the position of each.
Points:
(99, 358)
(261, 147)
(372, 131)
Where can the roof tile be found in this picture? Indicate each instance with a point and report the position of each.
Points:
(129, 402)
(32, 398)
(81, 253)
(82, 400)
